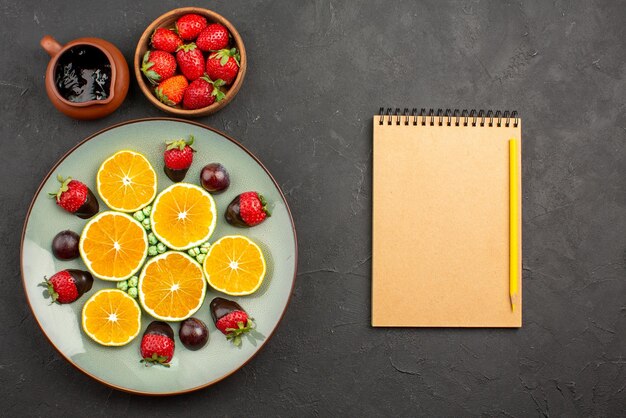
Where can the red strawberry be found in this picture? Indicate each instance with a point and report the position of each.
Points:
(223, 64)
(68, 285)
(230, 318)
(213, 38)
(157, 344)
(247, 209)
(165, 40)
(178, 157)
(189, 26)
(171, 91)
(202, 93)
(158, 66)
(75, 197)
(191, 61)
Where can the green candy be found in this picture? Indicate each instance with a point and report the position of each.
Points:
(200, 258)
(161, 248)
(203, 250)
(132, 292)
(152, 239)
(205, 245)
(123, 285)
(139, 216)
(192, 252)
(146, 223)
(147, 210)
(152, 250)
(133, 281)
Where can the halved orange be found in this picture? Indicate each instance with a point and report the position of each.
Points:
(113, 246)
(126, 181)
(171, 286)
(111, 317)
(234, 265)
(183, 216)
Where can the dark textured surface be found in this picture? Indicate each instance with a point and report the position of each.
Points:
(317, 72)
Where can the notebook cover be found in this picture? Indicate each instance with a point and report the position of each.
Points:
(440, 250)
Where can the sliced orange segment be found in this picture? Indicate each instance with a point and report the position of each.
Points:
(183, 216)
(111, 317)
(126, 181)
(234, 265)
(113, 246)
(171, 286)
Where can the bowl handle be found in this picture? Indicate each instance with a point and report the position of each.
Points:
(51, 45)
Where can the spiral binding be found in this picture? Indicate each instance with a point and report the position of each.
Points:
(448, 117)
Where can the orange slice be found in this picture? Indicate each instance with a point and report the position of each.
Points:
(183, 216)
(111, 317)
(171, 286)
(113, 246)
(126, 181)
(234, 265)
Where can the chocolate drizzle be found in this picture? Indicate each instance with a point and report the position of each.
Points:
(82, 279)
(221, 307)
(89, 208)
(175, 175)
(160, 328)
(233, 215)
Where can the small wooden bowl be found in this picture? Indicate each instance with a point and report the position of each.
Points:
(167, 21)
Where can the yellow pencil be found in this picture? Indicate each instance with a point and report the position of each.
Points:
(513, 222)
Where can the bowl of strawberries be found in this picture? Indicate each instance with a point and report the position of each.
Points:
(190, 62)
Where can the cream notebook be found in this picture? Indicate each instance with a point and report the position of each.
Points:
(440, 250)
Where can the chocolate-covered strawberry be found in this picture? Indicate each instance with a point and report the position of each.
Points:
(248, 209)
(68, 285)
(178, 157)
(75, 197)
(230, 318)
(157, 344)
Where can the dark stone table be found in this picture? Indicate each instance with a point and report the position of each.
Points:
(317, 73)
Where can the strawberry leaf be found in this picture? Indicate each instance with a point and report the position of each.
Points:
(146, 57)
(163, 97)
(51, 293)
(64, 187)
(263, 201)
(152, 76)
(219, 94)
(235, 54)
(154, 360)
(186, 47)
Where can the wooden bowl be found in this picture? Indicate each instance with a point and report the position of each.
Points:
(167, 21)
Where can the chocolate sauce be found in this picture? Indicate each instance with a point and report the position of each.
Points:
(160, 328)
(89, 208)
(82, 279)
(232, 214)
(220, 307)
(83, 73)
(175, 175)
